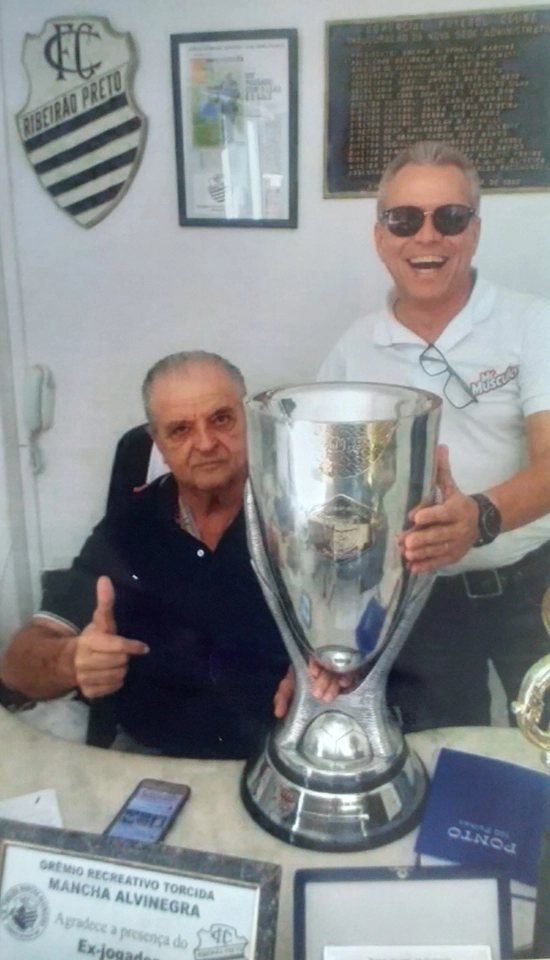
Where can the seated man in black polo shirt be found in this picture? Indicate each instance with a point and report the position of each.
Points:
(161, 607)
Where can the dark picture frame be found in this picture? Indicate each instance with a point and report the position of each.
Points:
(236, 127)
(434, 914)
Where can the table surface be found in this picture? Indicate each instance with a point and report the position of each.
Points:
(92, 784)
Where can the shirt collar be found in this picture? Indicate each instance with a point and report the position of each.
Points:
(388, 331)
(167, 506)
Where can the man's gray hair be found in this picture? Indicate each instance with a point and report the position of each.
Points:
(431, 153)
(178, 362)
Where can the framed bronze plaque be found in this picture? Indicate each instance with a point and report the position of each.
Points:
(480, 81)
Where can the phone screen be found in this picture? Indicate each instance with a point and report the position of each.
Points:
(147, 814)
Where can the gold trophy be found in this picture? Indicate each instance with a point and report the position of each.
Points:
(528, 709)
(530, 703)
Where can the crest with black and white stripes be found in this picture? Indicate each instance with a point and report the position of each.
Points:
(81, 129)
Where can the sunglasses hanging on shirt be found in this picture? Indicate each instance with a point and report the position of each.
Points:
(449, 219)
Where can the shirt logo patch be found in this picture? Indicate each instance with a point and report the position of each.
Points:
(491, 380)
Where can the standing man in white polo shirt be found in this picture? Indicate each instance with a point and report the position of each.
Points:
(486, 352)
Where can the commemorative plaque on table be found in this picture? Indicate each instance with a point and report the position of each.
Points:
(66, 895)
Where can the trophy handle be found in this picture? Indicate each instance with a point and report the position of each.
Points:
(530, 703)
(303, 706)
(302, 698)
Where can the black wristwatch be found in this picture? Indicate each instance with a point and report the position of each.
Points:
(489, 520)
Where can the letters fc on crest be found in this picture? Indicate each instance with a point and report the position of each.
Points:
(81, 129)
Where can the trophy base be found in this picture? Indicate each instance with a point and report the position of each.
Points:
(332, 820)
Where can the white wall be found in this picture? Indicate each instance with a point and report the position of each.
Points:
(16, 599)
(100, 306)
(8, 606)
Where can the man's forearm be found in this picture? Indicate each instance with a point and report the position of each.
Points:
(524, 497)
(40, 662)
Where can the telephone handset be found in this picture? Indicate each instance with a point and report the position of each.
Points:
(39, 398)
(39, 401)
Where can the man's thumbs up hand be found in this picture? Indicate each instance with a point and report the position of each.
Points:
(101, 656)
(104, 618)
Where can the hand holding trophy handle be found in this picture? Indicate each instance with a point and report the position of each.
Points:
(529, 706)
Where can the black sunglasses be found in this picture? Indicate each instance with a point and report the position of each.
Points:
(457, 391)
(449, 219)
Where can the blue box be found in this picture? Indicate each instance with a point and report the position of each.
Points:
(486, 812)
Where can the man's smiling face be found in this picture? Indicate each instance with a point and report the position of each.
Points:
(428, 269)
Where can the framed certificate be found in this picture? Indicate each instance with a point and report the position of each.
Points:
(63, 894)
(416, 908)
(236, 126)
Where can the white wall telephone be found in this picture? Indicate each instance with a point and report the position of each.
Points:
(39, 401)
(39, 398)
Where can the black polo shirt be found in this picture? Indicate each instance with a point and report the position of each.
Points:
(206, 687)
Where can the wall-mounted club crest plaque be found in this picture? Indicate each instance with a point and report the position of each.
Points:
(81, 129)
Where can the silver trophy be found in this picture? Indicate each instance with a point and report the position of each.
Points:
(334, 471)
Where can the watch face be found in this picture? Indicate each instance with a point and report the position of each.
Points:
(489, 520)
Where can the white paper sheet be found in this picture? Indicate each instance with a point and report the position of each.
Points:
(408, 953)
(40, 807)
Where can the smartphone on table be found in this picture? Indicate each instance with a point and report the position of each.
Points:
(149, 811)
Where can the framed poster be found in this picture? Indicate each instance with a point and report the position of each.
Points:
(480, 81)
(236, 126)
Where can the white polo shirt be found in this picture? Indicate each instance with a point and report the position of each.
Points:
(499, 344)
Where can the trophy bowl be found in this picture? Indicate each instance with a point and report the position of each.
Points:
(334, 471)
